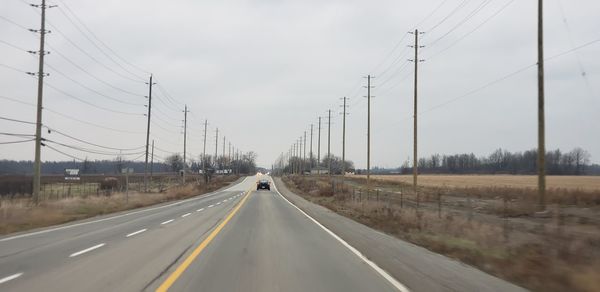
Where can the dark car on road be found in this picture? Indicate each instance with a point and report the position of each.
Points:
(263, 184)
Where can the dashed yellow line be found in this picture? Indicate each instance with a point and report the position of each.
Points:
(188, 261)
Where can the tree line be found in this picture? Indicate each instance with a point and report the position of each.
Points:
(574, 162)
(245, 164)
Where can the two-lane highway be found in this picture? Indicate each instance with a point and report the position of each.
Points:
(237, 239)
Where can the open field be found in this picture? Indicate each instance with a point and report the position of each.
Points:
(587, 183)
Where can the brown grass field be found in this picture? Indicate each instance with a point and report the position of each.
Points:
(587, 183)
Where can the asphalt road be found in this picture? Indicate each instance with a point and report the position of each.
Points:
(236, 239)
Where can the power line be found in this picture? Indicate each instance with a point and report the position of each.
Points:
(13, 46)
(463, 21)
(90, 143)
(91, 124)
(64, 153)
(92, 90)
(89, 103)
(13, 68)
(17, 142)
(13, 22)
(90, 74)
(91, 57)
(100, 41)
(92, 42)
(18, 121)
(474, 29)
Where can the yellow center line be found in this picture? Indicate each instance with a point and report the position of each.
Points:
(188, 261)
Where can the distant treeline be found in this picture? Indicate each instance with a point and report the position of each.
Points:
(574, 162)
(85, 167)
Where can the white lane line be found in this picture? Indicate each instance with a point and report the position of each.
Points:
(201, 197)
(185, 215)
(219, 203)
(211, 206)
(224, 201)
(167, 222)
(11, 277)
(200, 210)
(135, 233)
(86, 250)
(373, 265)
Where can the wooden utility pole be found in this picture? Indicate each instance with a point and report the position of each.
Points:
(329, 142)
(541, 160)
(224, 154)
(152, 163)
(344, 138)
(148, 115)
(204, 149)
(216, 147)
(415, 156)
(37, 166)
(319, 149)
(185, 111)
(304, 159)
(368, 131)
(311, 146)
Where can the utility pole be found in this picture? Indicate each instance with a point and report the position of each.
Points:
(37, 167)
(329, 142)
(319, 149)
(204, 149)
(229, 156)
(541, 160)
(344, 138)
(304, 159)
(415, 156)
(185, 111)
(216, 147)
(224, 153)
(152, 162)
(311, 146)
(149, 115)
(368, 131)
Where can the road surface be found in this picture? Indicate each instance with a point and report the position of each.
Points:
(235, 239)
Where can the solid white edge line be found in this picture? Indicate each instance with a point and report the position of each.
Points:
(136, 232)
(200, 210)
(207, 195)
(185, 215)
(167, 222)
(86, 250)
(373, 265)
(11, 277)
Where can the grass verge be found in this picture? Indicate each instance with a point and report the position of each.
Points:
(20, 214)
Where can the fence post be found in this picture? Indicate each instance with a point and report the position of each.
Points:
(401, 200)
(439, 205)
(377, 195)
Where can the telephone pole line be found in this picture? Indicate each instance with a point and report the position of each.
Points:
(204, 149)
(415, 157)
(541, 160)
(319, 149)
(224, 154)
(152, 162)
(344, 138)
(368, 131)
(149, 115)
(311, 146)
(329, 142)
(216, 147)
(185, 111)
(37, 167)
(304, 159)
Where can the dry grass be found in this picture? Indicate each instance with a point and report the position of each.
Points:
(586, 183)
(545, 258)
(19, 214)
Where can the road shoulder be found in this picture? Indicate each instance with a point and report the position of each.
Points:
(416, 267)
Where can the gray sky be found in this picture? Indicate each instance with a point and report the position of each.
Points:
(263, 71)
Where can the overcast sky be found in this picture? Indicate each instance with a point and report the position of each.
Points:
(263, 71)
